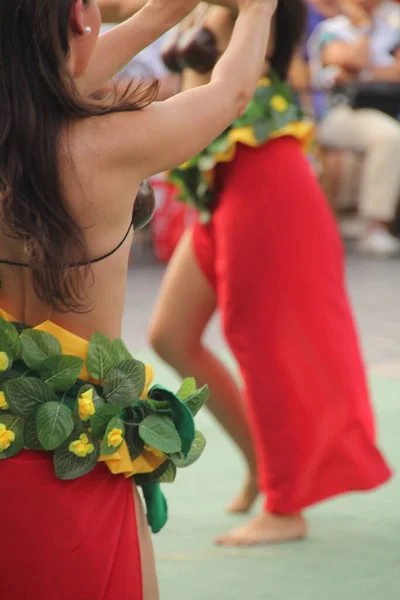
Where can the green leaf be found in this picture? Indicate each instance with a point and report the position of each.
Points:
(15, 424)
(54, 423)
(115, 423)
(160, 433)
(156, 406)
(12, 336)
(101, 419)
(136, 412)
(6, 376)
(133, 440)
(187, 388)
(263, 95)
(37, 346)
(32, 441)
(263, 129)
(156, 506)
(153, 477)
(61, 372)
(20, 327)
(69, 466)
(182, 416)
(220, 145)
(170, 474)
(121, 350)
(197, 400)
(194, 453)
(125, 382)
(25, 394)
(101, 356)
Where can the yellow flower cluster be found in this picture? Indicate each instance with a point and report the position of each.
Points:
(81, 447)
(6, 437)
(114, 438)
(3, 402)
(86, 405)
(4, 361)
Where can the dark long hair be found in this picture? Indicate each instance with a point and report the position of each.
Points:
(290, 27)
(38, 99)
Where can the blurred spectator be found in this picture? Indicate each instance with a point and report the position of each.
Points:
(362, 44)
(148, 65)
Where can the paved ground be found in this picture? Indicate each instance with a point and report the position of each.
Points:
(353, 551)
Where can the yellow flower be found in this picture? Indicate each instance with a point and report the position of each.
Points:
(3, 402)
(86, 405)
(6, 437)
(279, 103)
(81, 447)
(4, 361)
(114, 438)
(154, 451)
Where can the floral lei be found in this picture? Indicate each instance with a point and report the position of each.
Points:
(271, 112)
(44, 406)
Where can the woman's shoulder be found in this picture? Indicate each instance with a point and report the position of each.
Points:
(97, 177)
(105, 139)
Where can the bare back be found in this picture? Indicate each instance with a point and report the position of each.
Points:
(104, 159)
(100, 195)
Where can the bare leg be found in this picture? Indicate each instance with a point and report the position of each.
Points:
(185, 305)
(149, 575)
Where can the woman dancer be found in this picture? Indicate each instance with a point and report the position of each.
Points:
(64, 250)
(266, 253)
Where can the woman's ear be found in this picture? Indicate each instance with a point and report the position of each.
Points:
(76, 17)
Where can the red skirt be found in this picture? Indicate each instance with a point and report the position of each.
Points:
(273, 254)
(66, 540)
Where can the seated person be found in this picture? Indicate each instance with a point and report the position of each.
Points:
(361, 44)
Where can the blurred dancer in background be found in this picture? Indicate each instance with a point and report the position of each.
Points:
(267, 255)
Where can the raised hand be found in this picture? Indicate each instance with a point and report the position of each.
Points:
(178, 8)
(244, 4)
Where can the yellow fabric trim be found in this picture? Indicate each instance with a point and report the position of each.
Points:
(301, 130)
(6, 316)
(148, 381)
(120, 462)
(70, 343)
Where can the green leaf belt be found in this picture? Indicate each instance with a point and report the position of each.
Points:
(272, 109)
(45, 405)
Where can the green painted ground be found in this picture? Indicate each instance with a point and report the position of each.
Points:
(353, 551)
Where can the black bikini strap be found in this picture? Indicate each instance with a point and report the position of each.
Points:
(14, 263)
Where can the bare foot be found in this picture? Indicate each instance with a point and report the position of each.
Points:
(246, 498)
(266, 529)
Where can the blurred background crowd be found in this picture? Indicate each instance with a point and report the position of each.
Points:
(346, 76)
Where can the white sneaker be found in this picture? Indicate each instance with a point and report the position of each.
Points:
(380, 243)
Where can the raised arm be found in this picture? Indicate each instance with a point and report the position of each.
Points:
(116, 11)
(117, 47)
(168, 133)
